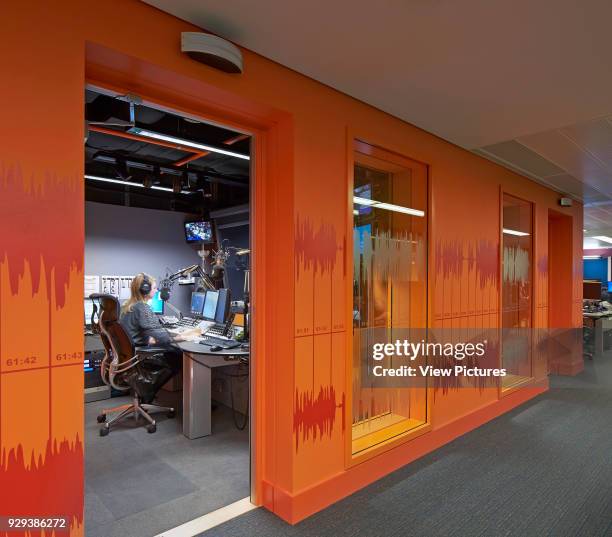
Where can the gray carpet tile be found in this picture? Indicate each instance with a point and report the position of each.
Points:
(139, 484)
(543, 469)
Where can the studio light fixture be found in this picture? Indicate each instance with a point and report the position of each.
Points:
(185, 143)
(591, 257)
(515, 232)
(129, 183)
(387, 206)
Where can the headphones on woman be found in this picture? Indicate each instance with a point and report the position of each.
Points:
(145, 286)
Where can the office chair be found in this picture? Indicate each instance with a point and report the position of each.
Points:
(126, 367)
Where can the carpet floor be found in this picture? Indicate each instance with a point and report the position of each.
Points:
(543, 469)
(139, 484)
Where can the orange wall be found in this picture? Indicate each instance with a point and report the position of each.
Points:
(305, 133)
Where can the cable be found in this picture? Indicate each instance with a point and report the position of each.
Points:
(239, 426)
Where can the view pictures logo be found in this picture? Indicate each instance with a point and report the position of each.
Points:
(411, 350)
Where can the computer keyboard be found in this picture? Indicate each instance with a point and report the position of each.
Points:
(218, 341)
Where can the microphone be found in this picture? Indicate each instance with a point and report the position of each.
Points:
(164, 293)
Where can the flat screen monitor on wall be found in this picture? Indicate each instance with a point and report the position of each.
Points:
(198, 232)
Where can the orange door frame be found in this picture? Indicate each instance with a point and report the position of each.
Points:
(271, 233)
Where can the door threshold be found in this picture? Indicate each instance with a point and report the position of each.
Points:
(210, 520)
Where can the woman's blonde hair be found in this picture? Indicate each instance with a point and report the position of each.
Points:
(136, 295)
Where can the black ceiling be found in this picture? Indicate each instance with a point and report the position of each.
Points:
(210, 182)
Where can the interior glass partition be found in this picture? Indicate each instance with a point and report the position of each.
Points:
(389, 289)
(517, 290)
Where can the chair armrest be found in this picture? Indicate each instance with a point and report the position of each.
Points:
(150, 350)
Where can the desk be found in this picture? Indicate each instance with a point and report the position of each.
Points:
(95, 389)
(198, 361)
(601, 322)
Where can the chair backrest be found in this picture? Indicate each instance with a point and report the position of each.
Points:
(114, 337)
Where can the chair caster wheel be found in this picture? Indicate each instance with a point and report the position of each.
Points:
(171, 413)
(101, 418)
(151, 428)
(104, 431)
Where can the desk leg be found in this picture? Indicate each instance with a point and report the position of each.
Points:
(598, 353)
(196, 398)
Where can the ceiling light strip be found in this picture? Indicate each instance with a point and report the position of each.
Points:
(129, 183)
(515, 232)
(603, 238)
(185, 143)
(387, 206)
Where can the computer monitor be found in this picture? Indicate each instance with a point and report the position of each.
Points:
(210, 305)
(156, 303)
(197, 303)
(609, 287)
(223, 306)
(88, 306)
(200, 231)
(591, 290)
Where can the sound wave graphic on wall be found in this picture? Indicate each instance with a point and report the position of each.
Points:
(453, 257)
(47, 486)
(49, 243)
(400, 256)
(317, 248)
(516, 264)
(315, 416)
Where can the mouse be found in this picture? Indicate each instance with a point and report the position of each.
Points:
(216, 348)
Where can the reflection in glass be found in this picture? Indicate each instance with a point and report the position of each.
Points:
(389, 289)
(517, 289)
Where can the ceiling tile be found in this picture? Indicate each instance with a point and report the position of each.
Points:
(594, 137)
(556, 147)
(522, 158)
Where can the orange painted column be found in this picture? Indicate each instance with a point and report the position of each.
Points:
(41, 265)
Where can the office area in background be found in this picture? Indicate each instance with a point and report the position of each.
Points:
(194, 240)
(597, 304)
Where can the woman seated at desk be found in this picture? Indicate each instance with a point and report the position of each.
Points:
(144, 327)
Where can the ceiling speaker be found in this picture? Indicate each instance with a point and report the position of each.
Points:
(212, 51)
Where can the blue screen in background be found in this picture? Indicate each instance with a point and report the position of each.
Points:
(362, 230)
(596, 269)
(156, 303)
(609, 287)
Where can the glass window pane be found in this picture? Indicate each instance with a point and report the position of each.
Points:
(389, 287)
(517, 295)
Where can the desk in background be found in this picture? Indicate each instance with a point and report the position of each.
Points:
(600, 324)
(95, 389)
(198, 362)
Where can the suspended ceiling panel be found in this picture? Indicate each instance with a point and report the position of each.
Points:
(475, 72)
(526, 84)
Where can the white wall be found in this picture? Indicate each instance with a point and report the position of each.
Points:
(128, 240)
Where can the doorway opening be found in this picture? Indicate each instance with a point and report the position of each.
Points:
(168, 202)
